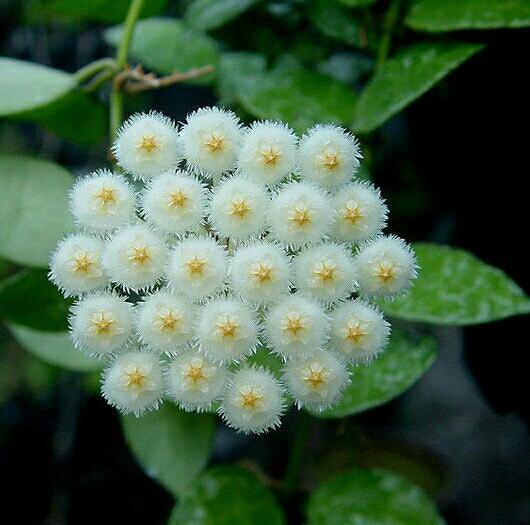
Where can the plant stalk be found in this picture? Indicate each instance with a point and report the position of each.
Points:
(389, 23)
(92, 69)
(296, 456)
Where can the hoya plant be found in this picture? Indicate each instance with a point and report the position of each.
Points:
(198, 240)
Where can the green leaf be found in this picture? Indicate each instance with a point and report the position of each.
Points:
(456, 288)
(166, 45)
(55, 348)
(25, 85)
(334, 21)
(371, 497)
(209, 14)
(402, 363)
(227, 495)
(235, 69)
(62, 118)
(442, 15)
(406, 77)
(299, 96)
(34, 213)
(172, 446)
(29, 299)
(101, 11)
(357, 3)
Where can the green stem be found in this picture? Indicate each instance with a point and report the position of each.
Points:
(116, 97)
(389, 23)
(292, 471)
(90, 70)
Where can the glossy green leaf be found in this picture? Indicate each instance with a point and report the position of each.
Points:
(26, 86)
(29, 299)
(371, 497)
(34, 213)
(236, 69)
(55, 348)
(300, 97)
(226, 495)
(334, 21)
(167, 45)
(404, 78)
(402, 363)
(101, 11)
(451, 15)
(62, 118)
(209, 14)
(456, 288)
(172, 446)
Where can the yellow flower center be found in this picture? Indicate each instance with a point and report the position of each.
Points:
(82, 263)
(196, 266)
(106, 197)
(386, 273)
(325, 271)
(250, 398)
(270, 156)
(239, 207)
(135, 380)
(168, 321)
(195, 373)
(315, 377)
(262, 273)
(354, 333)
(215, 143)
(140, 255)
(178, 199)
(227, 328)
(352, 214)
(300, 216)
(294, 324)
(330, 160)
(147, 144)
(102, 323)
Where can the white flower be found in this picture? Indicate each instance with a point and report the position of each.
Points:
(238, 208)
(316, 382)
(133, 383)
(194, 381)
(75, 265)
(211, 139)
(227, 330)
(147, 145)
(135, 257)
(300, 213)
(174, 203)
(328, 156)
(296, 327)
(253, 402)
(359, 331)
(360, 212)
(260, 272)
(326, 272)
(268, 153)
(101, 323)
(102, 201)
(165, 322)
(198, 268)
(386, 267)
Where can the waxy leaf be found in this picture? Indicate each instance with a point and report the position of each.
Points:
(209, 14)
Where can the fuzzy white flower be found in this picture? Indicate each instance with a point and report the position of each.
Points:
(386, 267)
(326, 272)
(147, 145)
(253, 402)
(135, 257)
(328, 155)
(101, 323)
(260, 272)
(211, 139)
(174, 203)
(198, 267)
(296, 327)
(300, 213)
(360, 212)
(268, 152)
(194, 381)
(75, 265)
(165, 322)
(133, 383)
(102, 201)
(359, 331)
(238, 208)
(316, 382)
(227, 330)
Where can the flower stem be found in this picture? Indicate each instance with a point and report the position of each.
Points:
(90, 70)
(292, 471)
(389, 23)
(116, 97)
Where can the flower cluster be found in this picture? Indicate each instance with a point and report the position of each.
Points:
(240, 238)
